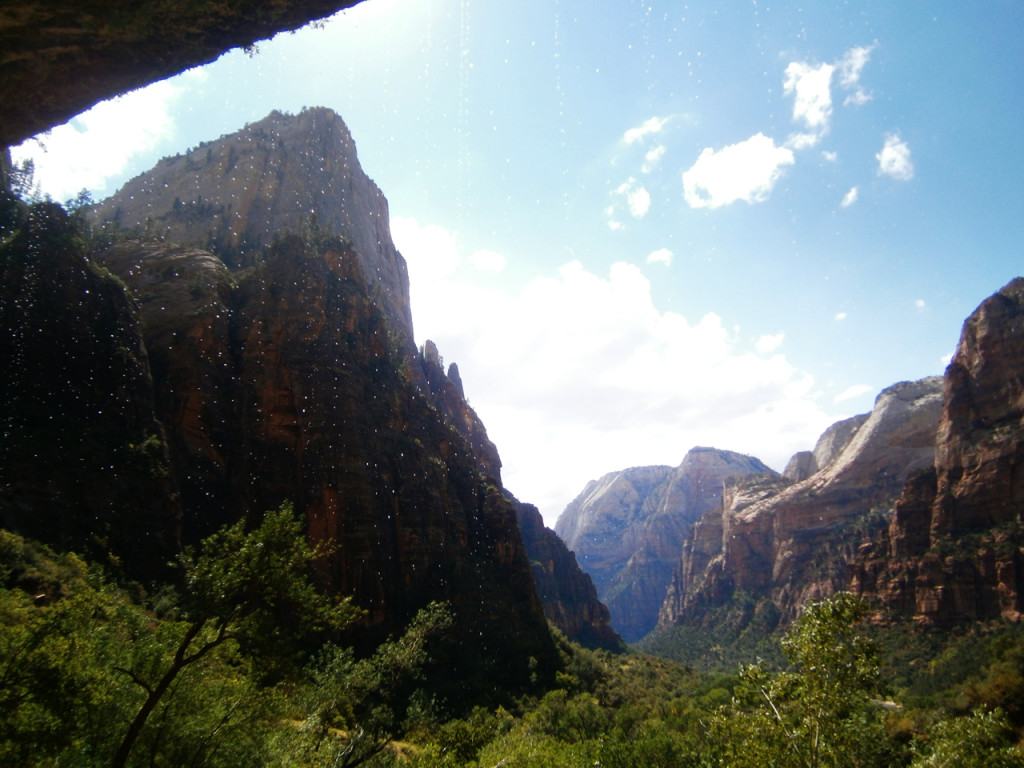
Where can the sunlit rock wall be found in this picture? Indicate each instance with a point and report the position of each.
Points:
(297, 173)
(627, 529)
(792, 542)
(955, 547)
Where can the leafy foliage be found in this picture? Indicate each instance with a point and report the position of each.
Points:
(359, 705)
(821, 712)
(220, 676)
(979, 740)
(235, 671)
(245, 589)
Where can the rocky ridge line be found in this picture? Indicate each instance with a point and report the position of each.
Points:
(628, 527)
(779, 540)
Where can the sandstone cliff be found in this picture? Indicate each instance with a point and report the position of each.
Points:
(567, 593)
(787, 541)
(284, 173)
(954, 550)
(627, 529)
(83, 459)
(158, 394)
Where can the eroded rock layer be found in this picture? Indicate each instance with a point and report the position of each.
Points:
(954, 550)
(790, 542)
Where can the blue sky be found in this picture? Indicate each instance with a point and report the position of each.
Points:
(641, 227)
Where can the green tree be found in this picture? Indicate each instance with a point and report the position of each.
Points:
(823, 711)
(248, 589)
(60, 635)
(22, 180)
(358, 706)
(571, 719)
(979, 740)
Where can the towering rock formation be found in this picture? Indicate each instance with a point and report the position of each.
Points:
(954, 550)
(284, 173)
(627, 529)
(787, 541)
(157, 393)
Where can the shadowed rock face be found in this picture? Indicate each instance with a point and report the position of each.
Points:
(83, 459)
(783, 541)
(238, 390)
(567, 593)
(279, 387)
(60, 57)
(955, 548)
(627, 529)
(181, 394)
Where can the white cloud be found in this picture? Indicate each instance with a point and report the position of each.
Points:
(946, 359)
(576, 374)
(894, 159)
(639, 202)
(769, 343)
(840, 316)
(800, 141)
(638, 199)
(852, 392)
(920, 305)
(648, 127)
(433, 250)
(744, 171)
(653, 158)
(811, 88)
(850, 197)
(660, 256)
(488, 261)
(97, 145)
(830, 155)
(850, 68)
(613, 223)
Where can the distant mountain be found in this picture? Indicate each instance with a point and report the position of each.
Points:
(918, 507)
(628, 527)
(242, 339)
(780, 539)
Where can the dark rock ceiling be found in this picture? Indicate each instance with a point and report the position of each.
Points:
(60, 57)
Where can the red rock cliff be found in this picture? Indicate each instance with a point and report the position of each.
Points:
(290, 379)
(782, 541)
(953, 551)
